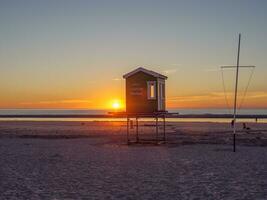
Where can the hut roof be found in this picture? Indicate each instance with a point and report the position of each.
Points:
(149, 72)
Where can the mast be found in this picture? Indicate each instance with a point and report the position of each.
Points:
(236, 87)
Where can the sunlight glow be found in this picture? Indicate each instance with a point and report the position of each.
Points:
(116, 104)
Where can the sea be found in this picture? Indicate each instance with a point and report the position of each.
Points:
(15, 112)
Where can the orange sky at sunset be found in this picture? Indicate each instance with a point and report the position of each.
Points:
(213, 100)
(73, 55)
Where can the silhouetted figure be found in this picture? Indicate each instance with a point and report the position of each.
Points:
(245, 127)
(232, 123)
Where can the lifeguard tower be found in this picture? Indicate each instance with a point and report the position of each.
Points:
(145, 91)
(145, 98)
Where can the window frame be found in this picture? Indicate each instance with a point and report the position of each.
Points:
(149, 84)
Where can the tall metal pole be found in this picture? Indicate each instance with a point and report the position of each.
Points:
(236, 87)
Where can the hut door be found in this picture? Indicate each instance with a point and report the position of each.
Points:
(161, 95)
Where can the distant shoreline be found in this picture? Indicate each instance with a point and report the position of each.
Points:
(225, 116)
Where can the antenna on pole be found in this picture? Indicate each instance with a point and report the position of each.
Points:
(236, 90)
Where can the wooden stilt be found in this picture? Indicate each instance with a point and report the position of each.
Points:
(128, 130)
(157, 131)
(164, 130)
(160, 131)
(137, 133)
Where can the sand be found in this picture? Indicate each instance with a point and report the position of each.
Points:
(92, 161)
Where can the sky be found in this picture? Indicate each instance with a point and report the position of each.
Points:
(73, 54)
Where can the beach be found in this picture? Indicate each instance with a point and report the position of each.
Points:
(91, 160)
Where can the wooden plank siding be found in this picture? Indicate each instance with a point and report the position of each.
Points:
(136, 94)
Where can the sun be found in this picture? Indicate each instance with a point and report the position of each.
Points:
(116, 104)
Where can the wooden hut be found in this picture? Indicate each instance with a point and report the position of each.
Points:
(145, 91)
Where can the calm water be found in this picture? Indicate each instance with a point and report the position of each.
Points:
(87, 112)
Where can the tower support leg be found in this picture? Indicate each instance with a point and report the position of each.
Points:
(137, 131)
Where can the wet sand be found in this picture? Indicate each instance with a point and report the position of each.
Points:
(90, 160)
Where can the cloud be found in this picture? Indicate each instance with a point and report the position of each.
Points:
(195, 98)
(256, 95)
(217, 96)
(212, 69)
(169, 71)
(218, 68)
(64, 101)
(116, 79)
(175, 64)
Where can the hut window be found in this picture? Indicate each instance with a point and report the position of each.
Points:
(151, 89)
(163, 90)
